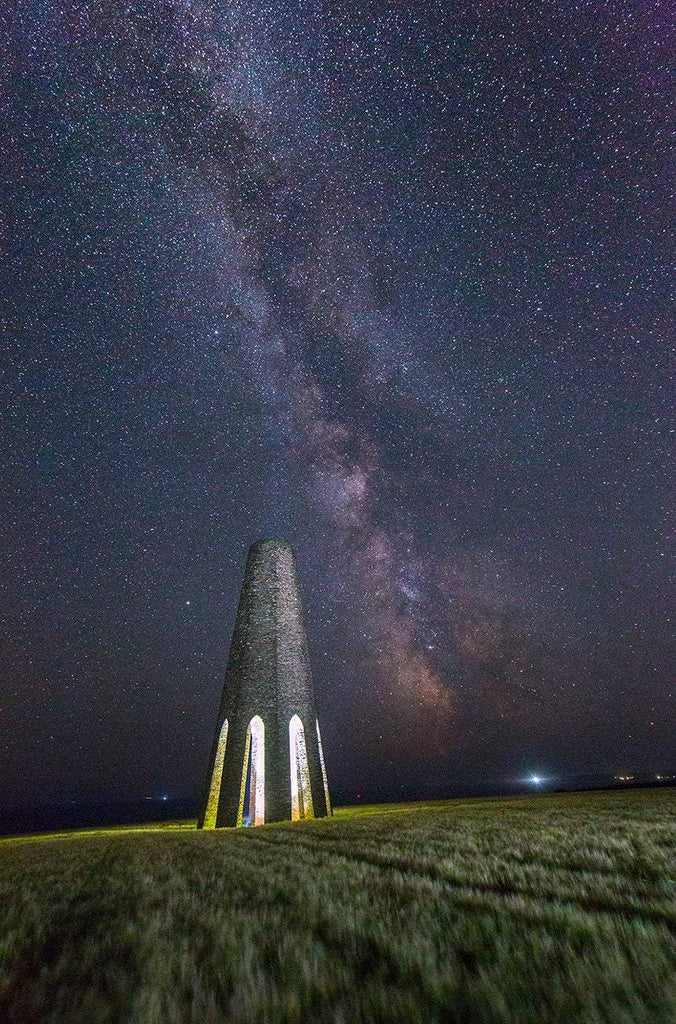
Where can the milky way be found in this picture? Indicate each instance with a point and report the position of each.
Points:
(388, 280)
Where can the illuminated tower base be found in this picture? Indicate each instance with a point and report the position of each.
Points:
(266, 761)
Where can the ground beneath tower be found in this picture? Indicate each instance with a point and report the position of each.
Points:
(545, 909)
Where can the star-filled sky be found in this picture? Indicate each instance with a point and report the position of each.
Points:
(387, 279)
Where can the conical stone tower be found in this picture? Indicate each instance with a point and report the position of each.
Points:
(266, 760)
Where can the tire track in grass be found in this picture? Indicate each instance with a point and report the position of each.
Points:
(656, 914)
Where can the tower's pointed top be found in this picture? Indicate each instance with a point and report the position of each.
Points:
(271, 543)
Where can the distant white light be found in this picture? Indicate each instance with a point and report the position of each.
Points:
(536, 780)
(165, 797)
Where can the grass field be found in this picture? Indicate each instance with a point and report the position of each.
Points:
(528, 911)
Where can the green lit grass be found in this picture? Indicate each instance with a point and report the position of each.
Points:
(544, 910)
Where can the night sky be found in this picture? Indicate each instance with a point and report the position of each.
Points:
(388, 280)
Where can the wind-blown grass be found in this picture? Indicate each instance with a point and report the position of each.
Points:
(544, 910)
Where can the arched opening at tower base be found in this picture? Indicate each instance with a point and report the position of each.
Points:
(216, 779)
(252, 792)
(329, 809)
(301, 791)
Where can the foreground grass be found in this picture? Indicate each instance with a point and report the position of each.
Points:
(536, 911)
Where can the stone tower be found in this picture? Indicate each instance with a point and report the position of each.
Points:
(266, 760)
